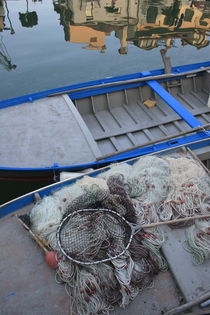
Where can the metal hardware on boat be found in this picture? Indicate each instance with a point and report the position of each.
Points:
(37, 197)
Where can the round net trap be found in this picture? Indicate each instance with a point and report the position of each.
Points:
(92, 236)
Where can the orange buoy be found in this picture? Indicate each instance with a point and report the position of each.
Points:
(51, 259)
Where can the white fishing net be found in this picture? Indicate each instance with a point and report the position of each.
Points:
(123, 269)
(67, 194)
(189, 185)
(45, 218)
(183, 168)
(198, 241)
(147, 162)
(88, 181)
(153, 189)
(46, 215)
(117, 169)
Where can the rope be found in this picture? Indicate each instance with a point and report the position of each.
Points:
(198, 241)
(153, 190)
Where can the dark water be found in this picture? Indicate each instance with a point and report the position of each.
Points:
(47, 44)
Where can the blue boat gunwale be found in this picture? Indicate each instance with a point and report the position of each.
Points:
(76, 95)
(119, 157)
(175, 142)
(24, 200)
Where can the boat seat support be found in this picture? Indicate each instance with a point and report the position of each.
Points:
(174, 104)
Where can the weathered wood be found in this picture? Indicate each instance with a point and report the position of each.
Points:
(171, 137)
(184, 307)
(34, 236)
(196, 217)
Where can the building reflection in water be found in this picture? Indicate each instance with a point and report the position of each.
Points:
(5, 59)
(144, 23)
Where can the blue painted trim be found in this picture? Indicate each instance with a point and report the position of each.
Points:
(161, 146)
(18, 204)
(26, 200)
(119, 157)
(174, 104)
(77, 95)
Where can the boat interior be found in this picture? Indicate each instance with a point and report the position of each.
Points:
(62, 131)
(122, 119)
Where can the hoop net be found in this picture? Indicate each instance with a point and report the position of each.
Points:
(92, 236)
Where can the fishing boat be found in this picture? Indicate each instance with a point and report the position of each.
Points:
(92, 124)
(28, 284)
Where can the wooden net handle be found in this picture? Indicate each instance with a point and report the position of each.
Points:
(34, 236)
(205, 216)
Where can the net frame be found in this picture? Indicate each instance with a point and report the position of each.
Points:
(134, 228)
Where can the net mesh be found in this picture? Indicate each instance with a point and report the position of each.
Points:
(198, 241)
(91, 235)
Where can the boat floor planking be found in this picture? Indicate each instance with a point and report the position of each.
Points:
(119, 120)
(29, 285)
(44, 132)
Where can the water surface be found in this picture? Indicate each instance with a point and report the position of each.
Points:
(47, 44)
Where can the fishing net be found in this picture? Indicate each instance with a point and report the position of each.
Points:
(149, 183)
(183, 168)
(151, 161)
(86, 287)
(153, 241)
(205, 205)
(146, 212)
(145, 263)
(189, 186)
(69, 193)
(198, 241)
(66, 195)
(117, 169)
(87, 182)
(45, 218)
(109, 284)
(118, 185)
(47, 214)
(91, 236)
(123, 268)
(118, 199)
(93, 226)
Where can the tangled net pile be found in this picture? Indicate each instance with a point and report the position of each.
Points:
(153, 189)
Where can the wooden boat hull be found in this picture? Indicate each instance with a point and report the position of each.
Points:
(100, 122)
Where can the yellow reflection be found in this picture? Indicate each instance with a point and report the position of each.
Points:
(143, 23)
